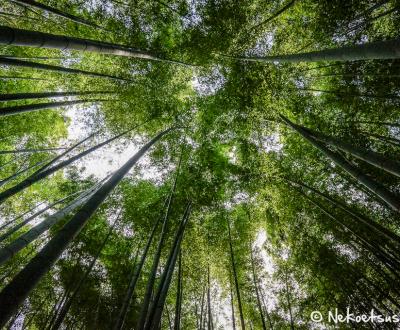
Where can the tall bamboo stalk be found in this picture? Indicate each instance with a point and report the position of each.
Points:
(12, 296)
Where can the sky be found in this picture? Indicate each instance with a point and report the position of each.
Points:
(108, 158)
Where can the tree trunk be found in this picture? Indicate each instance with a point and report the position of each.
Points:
(27, 96)
(385, 13)
(6, 224)
(371, 157)
(209, 310)
(156, 260)
(36, 177)
(20, 151)
(18, 109)
(232, 303)
(202, 308)
(266, 310)
(67, 151)
(379, 123)
(15, 16)
(19, 172)
(255, 280)
(132, 284)
(371, 224)
(19, 37)
(368, 11)
(362, 75)
(12, 296)
(379, 190)
(35, 57)
(389, 49)
(55, 68)
(376, 250)
(384, 139)
(178, 303)
(32, 217)
(288, 300)
(269, 19)
(169, 318)
(57, 12)
(67, 305)
(345, 94)
(56, 308)
(243, 326)
(157, 307)
(14, 247)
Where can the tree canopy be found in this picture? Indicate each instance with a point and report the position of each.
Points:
(198, 164)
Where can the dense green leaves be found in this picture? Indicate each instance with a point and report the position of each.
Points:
(317, 237)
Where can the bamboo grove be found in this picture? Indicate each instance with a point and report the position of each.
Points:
(199, 164)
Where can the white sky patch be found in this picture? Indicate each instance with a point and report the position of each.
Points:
(258, 244)
(262, 46)
(194, 18)
(221, 308)
(343, 249)
(209, 84)
(271, 143)
(232, 155)
(108, 158)
(269, 269)
(68, 60)
(94, 5)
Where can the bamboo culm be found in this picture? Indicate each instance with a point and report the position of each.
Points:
(6, 224)
(381, 255)
(380, 191)
(132, 284)
(25, 239)
(13, 295)
(242, 323)
(20, 151)
(232, 303)
(179, 292)
(275, 15)
(20, 172)
(67, 151)
(157, 306)
(369, 156)
(57, 12)
(37, 176)
(27, 96)
(35, 57)
(19, 109)
(67, 305)
(257, 292)
(20, 37)
(34, 216)
(210, 323)
(168, 278)
(384, 232)
(55, 68)
(388, 49)
(156, 259)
